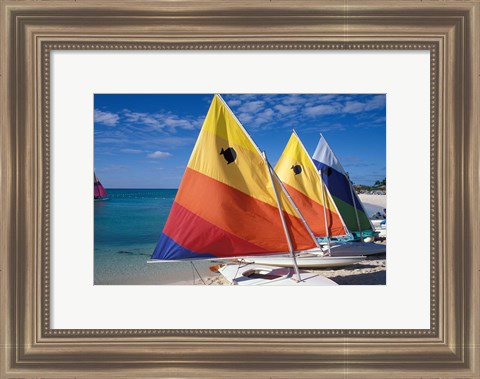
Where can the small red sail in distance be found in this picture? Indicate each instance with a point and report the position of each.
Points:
(98, 190)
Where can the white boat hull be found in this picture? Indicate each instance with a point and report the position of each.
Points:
(246, 274)
(304, 260)
(356, 249)
(380, 229)
(382, 233)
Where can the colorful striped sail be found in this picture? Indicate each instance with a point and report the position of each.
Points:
(303, 182)
(225, 205)
(339, 185)
(98, 190)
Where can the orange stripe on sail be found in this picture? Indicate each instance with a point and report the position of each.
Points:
(313, 213)
(237, 213)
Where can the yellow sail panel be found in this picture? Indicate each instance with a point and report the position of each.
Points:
(221, 122)
(300, 176)
(225, 205)
(225, 153)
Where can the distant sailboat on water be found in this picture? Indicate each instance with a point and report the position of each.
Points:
(99, 192)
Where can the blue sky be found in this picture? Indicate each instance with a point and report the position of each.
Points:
(145, 141)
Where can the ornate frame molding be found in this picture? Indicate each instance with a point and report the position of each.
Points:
(31, 30)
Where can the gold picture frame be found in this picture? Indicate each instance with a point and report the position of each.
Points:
(31, 30)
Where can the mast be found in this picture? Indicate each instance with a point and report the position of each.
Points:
(325, 217)
(284, 190)
(322, 181)
(355, 206)
(351, 188)
(282, 217)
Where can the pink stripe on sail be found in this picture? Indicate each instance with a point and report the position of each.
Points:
(101, 190)
(96, 192)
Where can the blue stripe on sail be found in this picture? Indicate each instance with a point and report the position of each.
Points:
(168, 249)
(337, 184)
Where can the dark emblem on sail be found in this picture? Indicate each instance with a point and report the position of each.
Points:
(328, 171)
(229, 154)
(297, 169)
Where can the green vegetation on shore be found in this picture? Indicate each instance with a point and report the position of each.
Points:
(380, 185)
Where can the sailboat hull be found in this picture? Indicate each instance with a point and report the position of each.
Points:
(356, 249)
(304, 260)
(254, 274)
(380, 228)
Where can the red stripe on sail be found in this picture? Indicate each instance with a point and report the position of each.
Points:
(314, 214)
(204, 237)
(240, 214)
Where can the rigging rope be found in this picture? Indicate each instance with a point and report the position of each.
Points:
(193, 265)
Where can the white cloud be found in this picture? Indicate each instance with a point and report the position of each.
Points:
(375, 103)
(245, 117)
(174, 121)
(161, 120)
(353, 107)
(285, 109)
(252, 106)
(131, 151)
(293, 99)
(170, 141)
(321, 109)
(264, 117)
(159, 154)
(106, 118)
(234, 103)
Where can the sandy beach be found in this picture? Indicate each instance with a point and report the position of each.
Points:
(373, 203)
(371, 271)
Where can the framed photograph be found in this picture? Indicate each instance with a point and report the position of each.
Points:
(201, 124)
(185, 164)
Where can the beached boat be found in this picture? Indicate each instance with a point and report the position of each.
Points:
(99, 192)
(344, 249)
(302, 180)
(250, 274)
(339, 185)
(306, 259)
(322, 211)
(380, 228)
(230, 202)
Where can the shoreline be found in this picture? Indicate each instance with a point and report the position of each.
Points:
(371, 271)
(126, 264)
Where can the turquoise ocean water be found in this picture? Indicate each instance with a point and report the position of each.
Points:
(126, 230)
